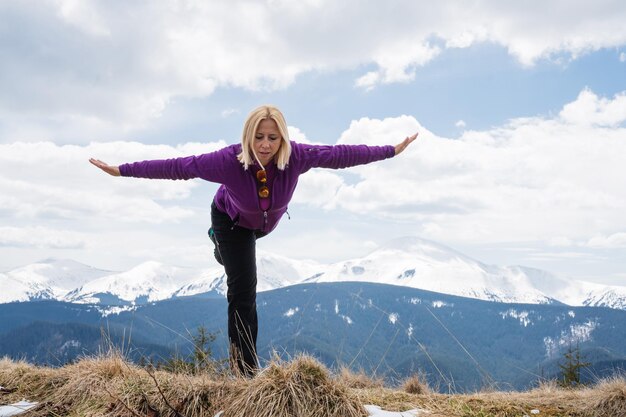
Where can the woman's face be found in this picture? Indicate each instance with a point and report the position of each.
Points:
(267, 140)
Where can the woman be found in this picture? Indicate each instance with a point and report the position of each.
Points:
(258, 178)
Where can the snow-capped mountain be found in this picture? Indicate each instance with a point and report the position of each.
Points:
(147, 282)
(48, 279)
(273, 271)
(418, 263)
(70, 281)
(212, 281)
(423, 264)
(408, 262)
(606, 296)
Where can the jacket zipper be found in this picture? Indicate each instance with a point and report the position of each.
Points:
(265, 211)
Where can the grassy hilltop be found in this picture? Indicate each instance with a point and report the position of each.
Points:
(108, 385)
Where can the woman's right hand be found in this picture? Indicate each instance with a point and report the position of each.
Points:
(109, 169)
(406, 142)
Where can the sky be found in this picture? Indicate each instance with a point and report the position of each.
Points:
(520, 109)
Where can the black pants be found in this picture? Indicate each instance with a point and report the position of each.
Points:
(236, 250)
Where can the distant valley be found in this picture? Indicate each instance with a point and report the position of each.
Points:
(461, 344)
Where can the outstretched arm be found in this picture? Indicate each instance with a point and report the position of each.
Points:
(109, 169)
(216, 166)
(406, 142)
(343, 156)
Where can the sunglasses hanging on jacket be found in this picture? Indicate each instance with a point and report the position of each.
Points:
(261, 176)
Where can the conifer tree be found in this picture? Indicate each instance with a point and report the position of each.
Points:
(570, 370)
(201, 360)
(202, 352)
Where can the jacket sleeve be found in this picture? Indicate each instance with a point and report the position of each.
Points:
(210, 166)
(339, 156)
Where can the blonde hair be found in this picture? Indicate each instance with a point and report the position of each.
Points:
(247, 156)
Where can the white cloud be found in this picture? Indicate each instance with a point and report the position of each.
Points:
(560, 241)
(551, 256)
(41, 237)
(468, 38)
(97, 68)
(589, 109)
(201, 255)
(297, 135)
(326, 242)
(368, 81)
(460, 123)
(616, 240)
(318, 188)
(53, 200)
(622, 57)
(229, 112)
(556, 179)
(598, 241)
(381, 132)
(397, 62)
(43, 180)
(84, 15)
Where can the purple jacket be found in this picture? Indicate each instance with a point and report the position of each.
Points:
(238, 194)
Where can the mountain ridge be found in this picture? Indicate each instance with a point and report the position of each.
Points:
(407, 262)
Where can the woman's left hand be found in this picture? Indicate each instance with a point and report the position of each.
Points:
(406, 142)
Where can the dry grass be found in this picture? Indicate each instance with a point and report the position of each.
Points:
(358, 380)
(416, 384)
(608, 399)
(302, 387)
(110, 386)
